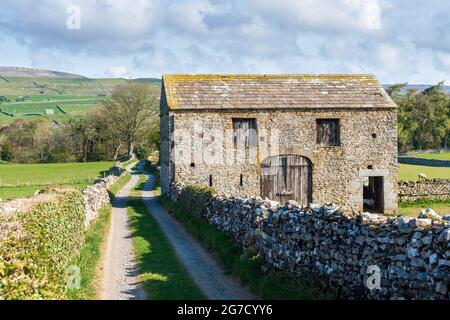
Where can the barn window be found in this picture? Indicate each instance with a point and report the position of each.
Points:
(241, 181)
(210, 180)
(328, 132)
(244, 132)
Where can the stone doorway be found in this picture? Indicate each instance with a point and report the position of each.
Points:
(373, 195)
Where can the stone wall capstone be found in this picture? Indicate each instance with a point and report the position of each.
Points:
(411, 255)
(434, 189)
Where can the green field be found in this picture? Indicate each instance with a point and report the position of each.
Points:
(61, 86)
(35, 106)
(28, 97)
(408, 172)
(20, 180)
(435, 156)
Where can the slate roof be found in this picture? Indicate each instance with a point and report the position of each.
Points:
(215, 91)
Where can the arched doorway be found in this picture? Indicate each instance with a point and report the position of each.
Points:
(287, 177)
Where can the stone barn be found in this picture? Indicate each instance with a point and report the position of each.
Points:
(309, 138)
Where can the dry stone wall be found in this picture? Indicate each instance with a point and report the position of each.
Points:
(436, 189)
(97, 196)
(424, 162)
(362, 256)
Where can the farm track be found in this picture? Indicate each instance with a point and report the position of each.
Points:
(207, 273)
(120, 278)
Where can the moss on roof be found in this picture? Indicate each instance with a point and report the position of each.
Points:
(220, 91)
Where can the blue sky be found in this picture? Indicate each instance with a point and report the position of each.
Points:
(399, 41)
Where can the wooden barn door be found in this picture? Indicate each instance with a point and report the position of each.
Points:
(286, 178)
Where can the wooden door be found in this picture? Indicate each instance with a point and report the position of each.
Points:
(286, 178)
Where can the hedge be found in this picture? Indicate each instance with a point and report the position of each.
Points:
(195, 197)
(34, 266)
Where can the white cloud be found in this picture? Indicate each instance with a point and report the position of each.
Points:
(188, 16)
(332, 15)
(443, 60)
(48, 59)
(106, 25)
(396, 40)
(117, 72)
(388, 57)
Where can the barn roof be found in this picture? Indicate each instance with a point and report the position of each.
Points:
(218, 91)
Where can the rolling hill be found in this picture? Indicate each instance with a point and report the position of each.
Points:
(6, 72)
(31, 93)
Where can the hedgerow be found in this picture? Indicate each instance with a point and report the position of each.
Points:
(195, 197)
(33, 265)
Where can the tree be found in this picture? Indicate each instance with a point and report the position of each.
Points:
(423, 117)
(150, 142)
(6, 152)
(130, 111)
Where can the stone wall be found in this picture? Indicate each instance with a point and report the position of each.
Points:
(424, 162)
(198, 147)
(435, 189)
(412, 256)
(97, 196)
(427, 151)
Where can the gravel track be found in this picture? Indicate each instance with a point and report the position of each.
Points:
(119, 280)
(207, 273)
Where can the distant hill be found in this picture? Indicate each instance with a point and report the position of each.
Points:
(6, 72)
(32, 93)
(419, 87)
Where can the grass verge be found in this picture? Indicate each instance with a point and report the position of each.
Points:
(271, 285)
(90, 256)
(161, 273)
(119, 184)
(92, 250)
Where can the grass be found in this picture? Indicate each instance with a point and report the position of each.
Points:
(435, 156)
(272, 285)
(75, 96)
(115, 188)
(91, 252)
(51, 173)
(90, 257)
(34, 107)
(408, 172)
(412, 209)
(162, 274)
(21, 180)
(136, 192)
(143, 179)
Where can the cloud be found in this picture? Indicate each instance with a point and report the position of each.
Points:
(48, 59)
(396, 40)
(106, 25)
(117, 72)
(330, 15)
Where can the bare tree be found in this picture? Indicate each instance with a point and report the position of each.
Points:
(129, 112)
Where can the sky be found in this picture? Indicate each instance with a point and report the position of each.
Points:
(397, 40)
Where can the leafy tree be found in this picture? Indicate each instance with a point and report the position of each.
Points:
(6, 152)
(423, 117)
(150, 142)
(130, 111)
